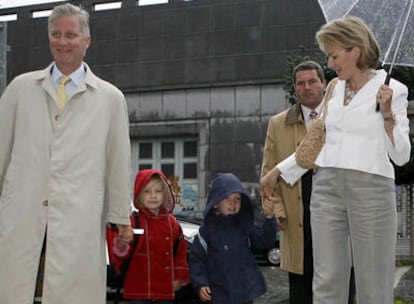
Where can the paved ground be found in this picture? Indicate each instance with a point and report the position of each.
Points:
(405, 286)
(278, 288)
(277, 282)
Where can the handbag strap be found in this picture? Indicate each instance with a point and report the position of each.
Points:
(328, 95)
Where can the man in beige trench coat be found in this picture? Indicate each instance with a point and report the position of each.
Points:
(64, 173)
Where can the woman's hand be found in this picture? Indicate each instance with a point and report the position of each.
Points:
(384, 97)
(268, 182)
(205, 294)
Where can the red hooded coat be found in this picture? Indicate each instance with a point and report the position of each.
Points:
(154, 264)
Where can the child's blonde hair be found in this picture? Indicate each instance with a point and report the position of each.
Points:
(154, 179)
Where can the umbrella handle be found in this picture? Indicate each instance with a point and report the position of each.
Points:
(387, 79)
(387, 82)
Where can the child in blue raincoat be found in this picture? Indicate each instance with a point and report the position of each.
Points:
(223, 268)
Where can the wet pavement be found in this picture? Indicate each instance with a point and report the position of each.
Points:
(405, 286)
(277, 286)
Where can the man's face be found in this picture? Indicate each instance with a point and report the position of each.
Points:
(309, 88)
(67, 43)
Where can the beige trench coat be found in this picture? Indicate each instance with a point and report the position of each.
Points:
(284, 133)
(69, 173)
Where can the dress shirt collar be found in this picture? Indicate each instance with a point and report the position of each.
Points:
(77, 77)
(306, 111)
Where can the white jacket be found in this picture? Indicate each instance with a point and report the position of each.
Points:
(355, 134)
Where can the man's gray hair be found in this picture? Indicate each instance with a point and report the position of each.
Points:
(68, 9)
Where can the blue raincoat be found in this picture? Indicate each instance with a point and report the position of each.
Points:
(220, 256)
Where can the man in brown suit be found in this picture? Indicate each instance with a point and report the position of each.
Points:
(284, 133)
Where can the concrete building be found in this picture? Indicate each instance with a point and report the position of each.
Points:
(201, 77)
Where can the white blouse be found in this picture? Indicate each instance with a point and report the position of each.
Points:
(355, 134)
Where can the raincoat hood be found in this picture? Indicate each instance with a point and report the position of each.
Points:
(142, 179)
(221, 187)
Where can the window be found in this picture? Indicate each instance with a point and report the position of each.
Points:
(10, 17)
(145, 151)
(41, 14)
(107, 6)
(151, 2)
(177, 157)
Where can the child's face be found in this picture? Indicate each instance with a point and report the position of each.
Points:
(230, 205)
(152, 196)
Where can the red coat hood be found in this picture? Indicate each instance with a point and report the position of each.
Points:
(142, 179)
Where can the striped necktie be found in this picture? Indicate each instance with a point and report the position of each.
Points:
(62, 97)
(313, 114)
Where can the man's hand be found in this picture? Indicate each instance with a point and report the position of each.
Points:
(125, 234)
(268, 182)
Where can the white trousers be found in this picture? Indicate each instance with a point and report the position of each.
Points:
(360, 207)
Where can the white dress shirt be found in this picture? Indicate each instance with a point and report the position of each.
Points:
(77, 77)
(306, 113)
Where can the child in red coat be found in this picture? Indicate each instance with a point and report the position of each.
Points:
(158, 267)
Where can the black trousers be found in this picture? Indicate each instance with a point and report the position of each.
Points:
(300, 286)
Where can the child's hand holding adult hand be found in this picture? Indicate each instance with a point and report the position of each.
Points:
(119, 249)
(268, 207)
(269, 181)
(205, 294)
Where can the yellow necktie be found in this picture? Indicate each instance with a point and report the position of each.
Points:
(62, 97)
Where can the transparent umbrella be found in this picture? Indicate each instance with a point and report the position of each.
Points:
(392, 22)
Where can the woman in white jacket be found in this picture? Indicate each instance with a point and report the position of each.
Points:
(353, 194)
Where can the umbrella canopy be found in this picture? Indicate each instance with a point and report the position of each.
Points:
(391, 21)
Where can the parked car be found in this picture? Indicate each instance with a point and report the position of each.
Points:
(190, 223)
(270, 256)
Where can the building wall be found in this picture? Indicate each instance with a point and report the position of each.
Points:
(212, 70)
(229, 122)
(180, 44)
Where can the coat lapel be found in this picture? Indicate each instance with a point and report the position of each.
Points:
(294, 115)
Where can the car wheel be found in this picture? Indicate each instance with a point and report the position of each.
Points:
(273, 256)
